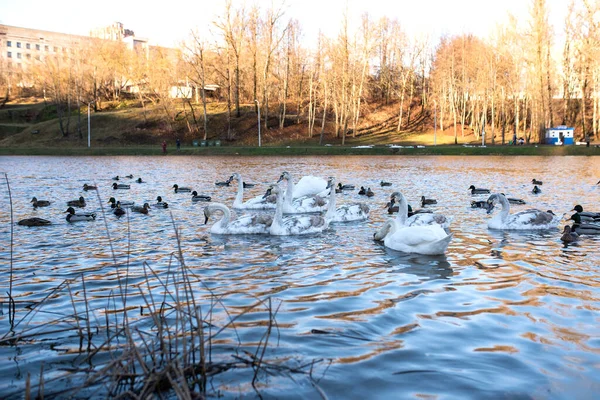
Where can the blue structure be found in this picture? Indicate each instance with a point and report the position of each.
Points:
(560, 135)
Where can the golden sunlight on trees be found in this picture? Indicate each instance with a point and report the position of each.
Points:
(524, 78)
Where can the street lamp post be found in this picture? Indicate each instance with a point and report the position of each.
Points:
(434, 123)
(89, 125)
(258, 107)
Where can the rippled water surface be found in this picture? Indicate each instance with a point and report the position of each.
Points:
(501, 315)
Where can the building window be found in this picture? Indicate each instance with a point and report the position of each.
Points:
(55, 49)
(9, 54)
(37, 57)
(28, 46)
(28, 56)
(46, 48)
(18, 55)
(18, 45)
(8, 43)
(37, 46)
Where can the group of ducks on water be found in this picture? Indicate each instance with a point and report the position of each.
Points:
(309, 207)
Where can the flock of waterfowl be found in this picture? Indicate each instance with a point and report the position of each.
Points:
(309, 207)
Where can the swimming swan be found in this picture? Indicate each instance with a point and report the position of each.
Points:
(244, 225)
(427, 239)
(345, 212)
(417, 219)
(531, 219)
(294, 224)
(266, 202)
(305, 204)
(307, 186)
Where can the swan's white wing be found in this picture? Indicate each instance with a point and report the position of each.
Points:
(245, 225)
(351, 212)
(423, 219)
(307, 204)
(309, 185)
(259, 203)
(299, 225)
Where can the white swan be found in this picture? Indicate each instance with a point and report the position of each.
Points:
(310, 203)
(346, 212)
(307, 186)
(418, 219)
(256, 203)
(426, 239)
(294, 224)
(244, 225)
(531, 219)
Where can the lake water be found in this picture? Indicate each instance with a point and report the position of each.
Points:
(501, 315)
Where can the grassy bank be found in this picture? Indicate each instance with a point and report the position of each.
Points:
(450, 150)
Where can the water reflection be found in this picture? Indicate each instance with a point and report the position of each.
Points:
(502, 314)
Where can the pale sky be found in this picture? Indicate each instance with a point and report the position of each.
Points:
(166, 23)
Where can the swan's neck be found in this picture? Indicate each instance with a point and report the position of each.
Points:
(224, 221)
(331, 206)
(402, 210)
(289, 192)
(239, 197)
(278, 217)
(505, 207)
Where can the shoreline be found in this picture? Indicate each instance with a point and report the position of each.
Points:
(450, 150)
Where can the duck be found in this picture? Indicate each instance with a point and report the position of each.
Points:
(536, 190)
(425, 201)
(200, 197)
(587, 215)
(87, 187)
(532, 219)
(587, 228)
(130, 176)
(160, 203)
(179, 189)
(425, 239)
(384, 183)
(116, 178)
(249, 185)
(120, 186)
(224, 183)
(123, 203)
(369, 193)
(346, 212)
(141, 209)
(345, 187)
(34, 221)
(417, 218)
(362, 191)
(480, 204)
(392, 207)
(139, 180)
(72, 217)
(305, 204)
(513, 200)
(475, 190)
(264, 202)
(250, 224)
(77, 203)
(118, 211)
(304, 224)
(40, 203)
(569, 236)
(536, 182)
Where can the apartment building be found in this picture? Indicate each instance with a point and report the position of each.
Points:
(21, 47)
